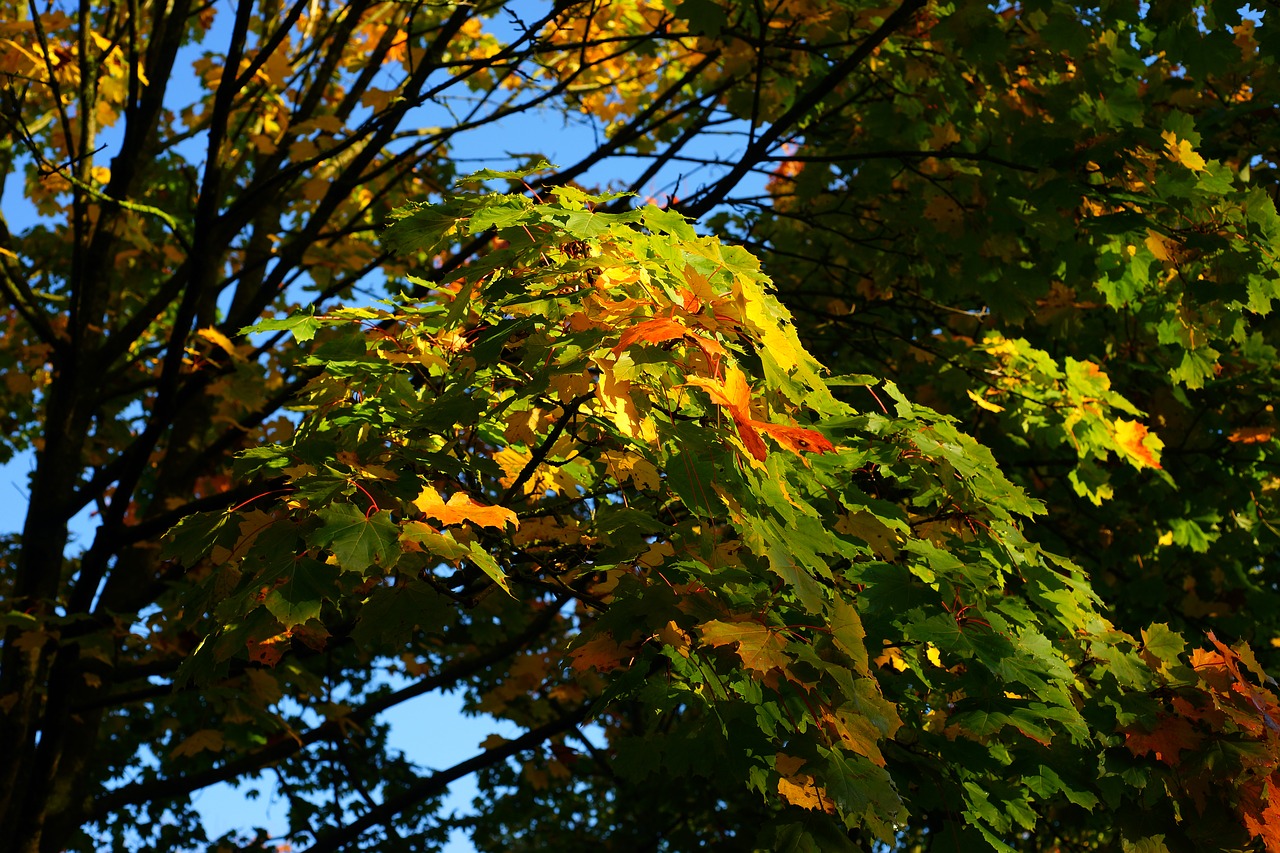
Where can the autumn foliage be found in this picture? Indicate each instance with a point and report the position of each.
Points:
(866, 439)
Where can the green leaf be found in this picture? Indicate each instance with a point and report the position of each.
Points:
(393, 613)
(303, 326)
(302, 594)
(357, 541)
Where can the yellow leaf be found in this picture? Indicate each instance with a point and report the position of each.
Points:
(984, 403)
(891, 656)
(871, 530)
(263, 143)
(1166, 538)
(327, 124)
(1158, 247)
(376, 99)
(672, 635)
(803, 791)
(462, 508)
(1180, 151)
(614, 395)
(934, 656)
(856, 733)
(221, 341)
(943, 212)
(570, 385)
(302, 149)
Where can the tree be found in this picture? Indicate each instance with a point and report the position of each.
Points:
(582, 465)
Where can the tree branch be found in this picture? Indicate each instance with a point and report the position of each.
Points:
(437, 783)
(803, 106)
(170, 788)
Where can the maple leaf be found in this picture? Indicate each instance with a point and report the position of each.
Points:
(1171, 736)
(1260, 809)
(759, 648)
(1181, 151)
(796, 439)
(731, 393)
(734, 396)
(358, 541)
(602, 653)
(1137, 445)
(803, 791)
(210, 740)
(221, 341)
(674, 636)
(653, 331)
(461, 508)
(268, 652)
(856, 732)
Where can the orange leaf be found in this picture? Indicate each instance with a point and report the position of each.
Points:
(462, 508)
(268, 652)
(796, 439)
(734, 395)
(751, 439)
(1251, 435)
(602, 653)
(654, 331)
(1172, 735)
(1262, 820)
(1137, 444)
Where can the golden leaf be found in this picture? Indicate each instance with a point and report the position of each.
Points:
(1158, 246)
(803, 791)
(461, 508)
(221, 341)
(1180, 151)
(984, 403)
